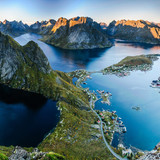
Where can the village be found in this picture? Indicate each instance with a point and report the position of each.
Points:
(111, 123)
(124, 70)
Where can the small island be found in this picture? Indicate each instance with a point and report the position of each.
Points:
(131, 63)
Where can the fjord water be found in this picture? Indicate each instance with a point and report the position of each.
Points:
(70, 60)
(142, 126)
(25, 118)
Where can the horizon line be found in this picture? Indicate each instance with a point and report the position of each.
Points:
(30, 23)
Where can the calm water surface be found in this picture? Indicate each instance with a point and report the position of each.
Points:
(25, 118)
(143, 129)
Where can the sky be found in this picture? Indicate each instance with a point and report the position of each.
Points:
(30, 11)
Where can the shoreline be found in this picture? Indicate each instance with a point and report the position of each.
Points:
(93, 99)
(85, 74)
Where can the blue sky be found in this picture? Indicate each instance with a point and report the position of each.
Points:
(30, 11)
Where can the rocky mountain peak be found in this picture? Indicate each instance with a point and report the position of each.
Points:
(77, 33)
(79, 20)
(61, 22)
(52, 21)
(5, 22)
(13, 56)
(103, 25)
(135, 31)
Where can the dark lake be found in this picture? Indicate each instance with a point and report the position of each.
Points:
(25, 118)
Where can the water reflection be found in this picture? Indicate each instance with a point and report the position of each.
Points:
(80, 57)
(13, 96)
(138, 45)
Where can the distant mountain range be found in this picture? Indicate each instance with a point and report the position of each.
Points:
(84, 33)
(135, 31)
(43, 27)
(13, 28)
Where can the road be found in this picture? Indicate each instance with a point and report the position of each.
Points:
(104, 139)
(101, 123)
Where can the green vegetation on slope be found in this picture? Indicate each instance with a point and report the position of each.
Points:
(74, 137)
(134, 60)
(6, 150)
(3, 157)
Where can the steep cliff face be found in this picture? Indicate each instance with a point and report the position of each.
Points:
(43, 27)
(77, 33)
(13, 56)
(135, 31)
(13, 28)
(26, 67)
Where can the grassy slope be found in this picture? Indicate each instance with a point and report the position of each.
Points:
(134, 60)
(72, 136)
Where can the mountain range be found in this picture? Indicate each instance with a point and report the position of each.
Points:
(77, 33)
(13, 28)
(135, 31)
(84, 33)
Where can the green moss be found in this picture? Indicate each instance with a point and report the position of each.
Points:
(73, 136)
(53, 156)
(3, 157)
(6, 150)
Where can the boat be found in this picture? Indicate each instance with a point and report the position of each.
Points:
(124, 129)
(155, 85)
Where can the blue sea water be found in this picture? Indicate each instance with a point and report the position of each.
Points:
(142, 126)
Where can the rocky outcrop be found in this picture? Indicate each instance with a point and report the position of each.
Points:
(135, 31)
(13, 56)
(20, 153)
(77, 33)
(26, 67)
(103, 25)
(13, 28)
(43, 27)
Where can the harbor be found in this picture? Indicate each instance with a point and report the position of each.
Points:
(103, 88)
(109, 120)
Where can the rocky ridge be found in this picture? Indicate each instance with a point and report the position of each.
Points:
(43, 27)
(77, 33)
(13, 28)
(84, 33)
(13, 56)
(135, 31)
